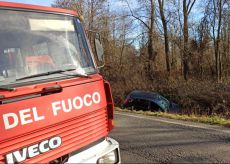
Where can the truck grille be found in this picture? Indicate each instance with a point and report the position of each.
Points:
(75, 133)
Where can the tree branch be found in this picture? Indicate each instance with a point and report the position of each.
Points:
(139, 19)
(190, 8)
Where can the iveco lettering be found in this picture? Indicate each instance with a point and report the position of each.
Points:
(34, 150)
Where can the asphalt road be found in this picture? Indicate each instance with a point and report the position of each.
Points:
(145, 139)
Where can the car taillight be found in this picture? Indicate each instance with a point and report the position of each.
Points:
(126, 101)
(110, 105)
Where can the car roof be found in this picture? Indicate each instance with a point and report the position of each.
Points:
(149, 96)
(144, 95)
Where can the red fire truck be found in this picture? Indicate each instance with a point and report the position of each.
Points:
(55, 107)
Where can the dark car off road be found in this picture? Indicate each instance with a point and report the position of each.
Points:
(151, 101)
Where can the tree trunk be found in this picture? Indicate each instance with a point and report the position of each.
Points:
(166, 40)
(186, 53)
(151, 55)
(217, 49)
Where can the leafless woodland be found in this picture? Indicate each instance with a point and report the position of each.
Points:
(179, 48)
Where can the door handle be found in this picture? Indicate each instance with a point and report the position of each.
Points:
(52, 90)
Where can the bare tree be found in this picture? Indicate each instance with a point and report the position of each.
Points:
(124, 30)
(187, 7)
(214, 14)
(149, 25)
(165, 28)
(76, 5)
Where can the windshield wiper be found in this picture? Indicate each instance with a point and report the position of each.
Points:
(7, 89)
(53, 72)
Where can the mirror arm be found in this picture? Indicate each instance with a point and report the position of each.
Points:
(101, 66)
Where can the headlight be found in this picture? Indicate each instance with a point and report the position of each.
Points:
(111, 157)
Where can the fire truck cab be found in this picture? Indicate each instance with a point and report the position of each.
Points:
(55, 107)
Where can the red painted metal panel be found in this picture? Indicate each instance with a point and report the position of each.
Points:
(36, 7)
(37, 88)
(87, 129)
(76, 127)
(67, 130)
(110, 105)
(45, 109)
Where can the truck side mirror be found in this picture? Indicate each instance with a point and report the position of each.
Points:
(99, 50)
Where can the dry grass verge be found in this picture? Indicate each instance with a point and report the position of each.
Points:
(213, 120)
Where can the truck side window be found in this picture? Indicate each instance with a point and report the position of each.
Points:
(83, 45)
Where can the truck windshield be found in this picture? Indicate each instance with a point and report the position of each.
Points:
(34, 43)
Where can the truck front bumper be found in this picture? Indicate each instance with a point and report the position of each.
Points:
(106, 151)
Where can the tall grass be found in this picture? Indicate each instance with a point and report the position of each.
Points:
(214, 120)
